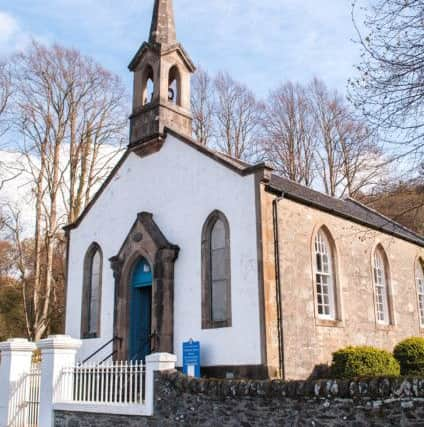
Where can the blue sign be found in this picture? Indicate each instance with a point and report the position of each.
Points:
(191, 358)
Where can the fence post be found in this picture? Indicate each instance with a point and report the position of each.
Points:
(156, 362)
(16, 360)
(57, 352)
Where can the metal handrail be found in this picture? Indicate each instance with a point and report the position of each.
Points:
(108, 357)
(101, 348)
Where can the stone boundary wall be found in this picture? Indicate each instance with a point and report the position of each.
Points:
(207, 402)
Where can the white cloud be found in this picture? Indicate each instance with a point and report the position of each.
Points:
(12, 36)
(8, 27)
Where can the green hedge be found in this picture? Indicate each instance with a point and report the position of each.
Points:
(410, 355)
(351, 362)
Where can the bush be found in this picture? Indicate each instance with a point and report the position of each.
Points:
(410, 355)
(352, 362)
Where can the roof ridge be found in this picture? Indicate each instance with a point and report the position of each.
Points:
(398, 224)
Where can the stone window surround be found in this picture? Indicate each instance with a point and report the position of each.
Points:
(338, 315)
(207, 322)
(390, 302)
(86, 290)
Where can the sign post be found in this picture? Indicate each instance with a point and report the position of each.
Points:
(191, 358)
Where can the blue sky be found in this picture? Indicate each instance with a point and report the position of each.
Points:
(260, 42)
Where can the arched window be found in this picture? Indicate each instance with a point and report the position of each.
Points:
(216, 272)
(325, 277)
(90, 323)
(174, 86)
(148, 85)
(381, 286)
(419, 277)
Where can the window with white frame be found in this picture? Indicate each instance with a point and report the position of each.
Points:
(381, 287)
(324, 277)
(420, 290)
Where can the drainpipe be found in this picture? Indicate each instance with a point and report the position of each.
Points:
(278, 286)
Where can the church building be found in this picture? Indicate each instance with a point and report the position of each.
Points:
(182, 242)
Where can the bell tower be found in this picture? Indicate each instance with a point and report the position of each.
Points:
(162, 72)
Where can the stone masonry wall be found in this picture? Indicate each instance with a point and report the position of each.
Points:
(308, 341)
(247, 403)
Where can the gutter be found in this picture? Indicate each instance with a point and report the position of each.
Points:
(280, 330)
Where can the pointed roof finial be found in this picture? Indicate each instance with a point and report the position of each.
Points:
(162, 30)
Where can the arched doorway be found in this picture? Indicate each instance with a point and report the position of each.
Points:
(145, 241)
(140, 311)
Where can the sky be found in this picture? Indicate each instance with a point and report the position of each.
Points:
(262, 43)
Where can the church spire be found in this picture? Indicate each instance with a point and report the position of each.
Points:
(162, 71)
(162, 30)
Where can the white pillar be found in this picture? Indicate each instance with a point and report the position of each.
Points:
(16, 360)
(57, 352)
(156, 362)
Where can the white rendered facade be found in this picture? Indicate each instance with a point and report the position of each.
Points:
(180, 186)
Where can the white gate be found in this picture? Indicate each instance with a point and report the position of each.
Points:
(25, 401)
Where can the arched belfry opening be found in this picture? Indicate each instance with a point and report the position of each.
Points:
(148, 85)
(174, 86)
(144, 292)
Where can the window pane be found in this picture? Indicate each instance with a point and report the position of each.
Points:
(95, 292)
(218, 235)
(218, 264)
(319, 262)
(219, 300)
(325, 266)
(219, 279)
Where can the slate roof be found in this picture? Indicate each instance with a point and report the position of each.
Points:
(348, 208)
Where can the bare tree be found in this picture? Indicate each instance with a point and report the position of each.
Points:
(97, 125)
(289, 133)
(362, 167)
(348, 157)
(390, 90)
(238, 116)
(6, 174)
(22, 264)
(202, 106)
(67, 108)
(5, 96)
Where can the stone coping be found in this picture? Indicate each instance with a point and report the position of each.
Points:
(17, 345)
(59, 342)
(371, 388)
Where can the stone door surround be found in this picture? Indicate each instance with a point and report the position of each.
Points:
(145, 240)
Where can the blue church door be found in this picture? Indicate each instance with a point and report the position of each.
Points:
(140, 311)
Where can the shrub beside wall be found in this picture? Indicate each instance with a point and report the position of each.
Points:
(352, 362)
(410, 355)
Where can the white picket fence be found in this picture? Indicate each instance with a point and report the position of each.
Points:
(121, 383)
(124, 388)
(24, 404)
